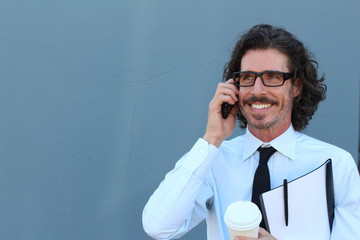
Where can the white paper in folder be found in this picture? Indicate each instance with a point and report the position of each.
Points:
(308, 216)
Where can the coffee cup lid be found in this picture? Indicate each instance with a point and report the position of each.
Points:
(242, 215)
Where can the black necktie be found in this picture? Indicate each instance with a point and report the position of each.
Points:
(261, 182)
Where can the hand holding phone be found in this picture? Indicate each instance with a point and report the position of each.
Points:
(217, 128)
(226, 109)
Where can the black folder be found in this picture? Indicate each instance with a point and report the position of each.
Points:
(302, 208)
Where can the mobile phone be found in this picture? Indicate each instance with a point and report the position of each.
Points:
(226, 109)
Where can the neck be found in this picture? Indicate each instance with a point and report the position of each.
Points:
(268, 134)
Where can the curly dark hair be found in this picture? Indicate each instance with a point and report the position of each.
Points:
(301, 62)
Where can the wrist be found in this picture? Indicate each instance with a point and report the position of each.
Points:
(216, 141)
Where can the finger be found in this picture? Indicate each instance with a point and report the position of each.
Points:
(231, 83)
(244, 238)
(227, 87)
(263, 232)
(227, 98)
(227, 90)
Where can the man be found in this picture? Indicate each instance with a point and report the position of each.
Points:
(272, 83)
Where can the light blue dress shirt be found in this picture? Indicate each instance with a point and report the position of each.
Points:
(208, 179)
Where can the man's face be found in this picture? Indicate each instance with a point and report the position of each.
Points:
(267, 108)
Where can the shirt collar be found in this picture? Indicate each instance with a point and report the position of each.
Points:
(284, 144)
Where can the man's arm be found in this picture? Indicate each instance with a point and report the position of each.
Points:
(180, 201)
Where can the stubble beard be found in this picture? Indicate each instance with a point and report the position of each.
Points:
(257, 121)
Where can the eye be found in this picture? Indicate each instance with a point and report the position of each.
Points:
(274, 76)
(247, 77)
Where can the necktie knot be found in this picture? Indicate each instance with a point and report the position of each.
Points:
(265, 154)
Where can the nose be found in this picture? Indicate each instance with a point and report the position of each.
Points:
(258, 87)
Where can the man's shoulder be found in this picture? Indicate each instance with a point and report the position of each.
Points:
(307, 142)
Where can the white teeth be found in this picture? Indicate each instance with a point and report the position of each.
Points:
(260, 106)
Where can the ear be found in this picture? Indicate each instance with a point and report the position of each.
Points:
(297, 87)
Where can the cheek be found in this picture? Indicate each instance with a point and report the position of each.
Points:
(241, 96)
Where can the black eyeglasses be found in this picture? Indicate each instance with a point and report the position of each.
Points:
(268, 78)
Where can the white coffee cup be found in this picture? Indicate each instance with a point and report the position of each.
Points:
(243, 219)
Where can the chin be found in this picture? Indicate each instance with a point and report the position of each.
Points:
(260, 124)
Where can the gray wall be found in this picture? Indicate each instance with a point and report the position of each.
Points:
(99, 99)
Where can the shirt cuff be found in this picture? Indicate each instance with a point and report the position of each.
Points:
(200, 158)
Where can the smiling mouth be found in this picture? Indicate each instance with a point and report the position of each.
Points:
(260, 106)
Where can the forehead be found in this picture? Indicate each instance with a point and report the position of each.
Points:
(260, 60)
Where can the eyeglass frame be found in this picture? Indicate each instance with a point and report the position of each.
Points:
(286, 76)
